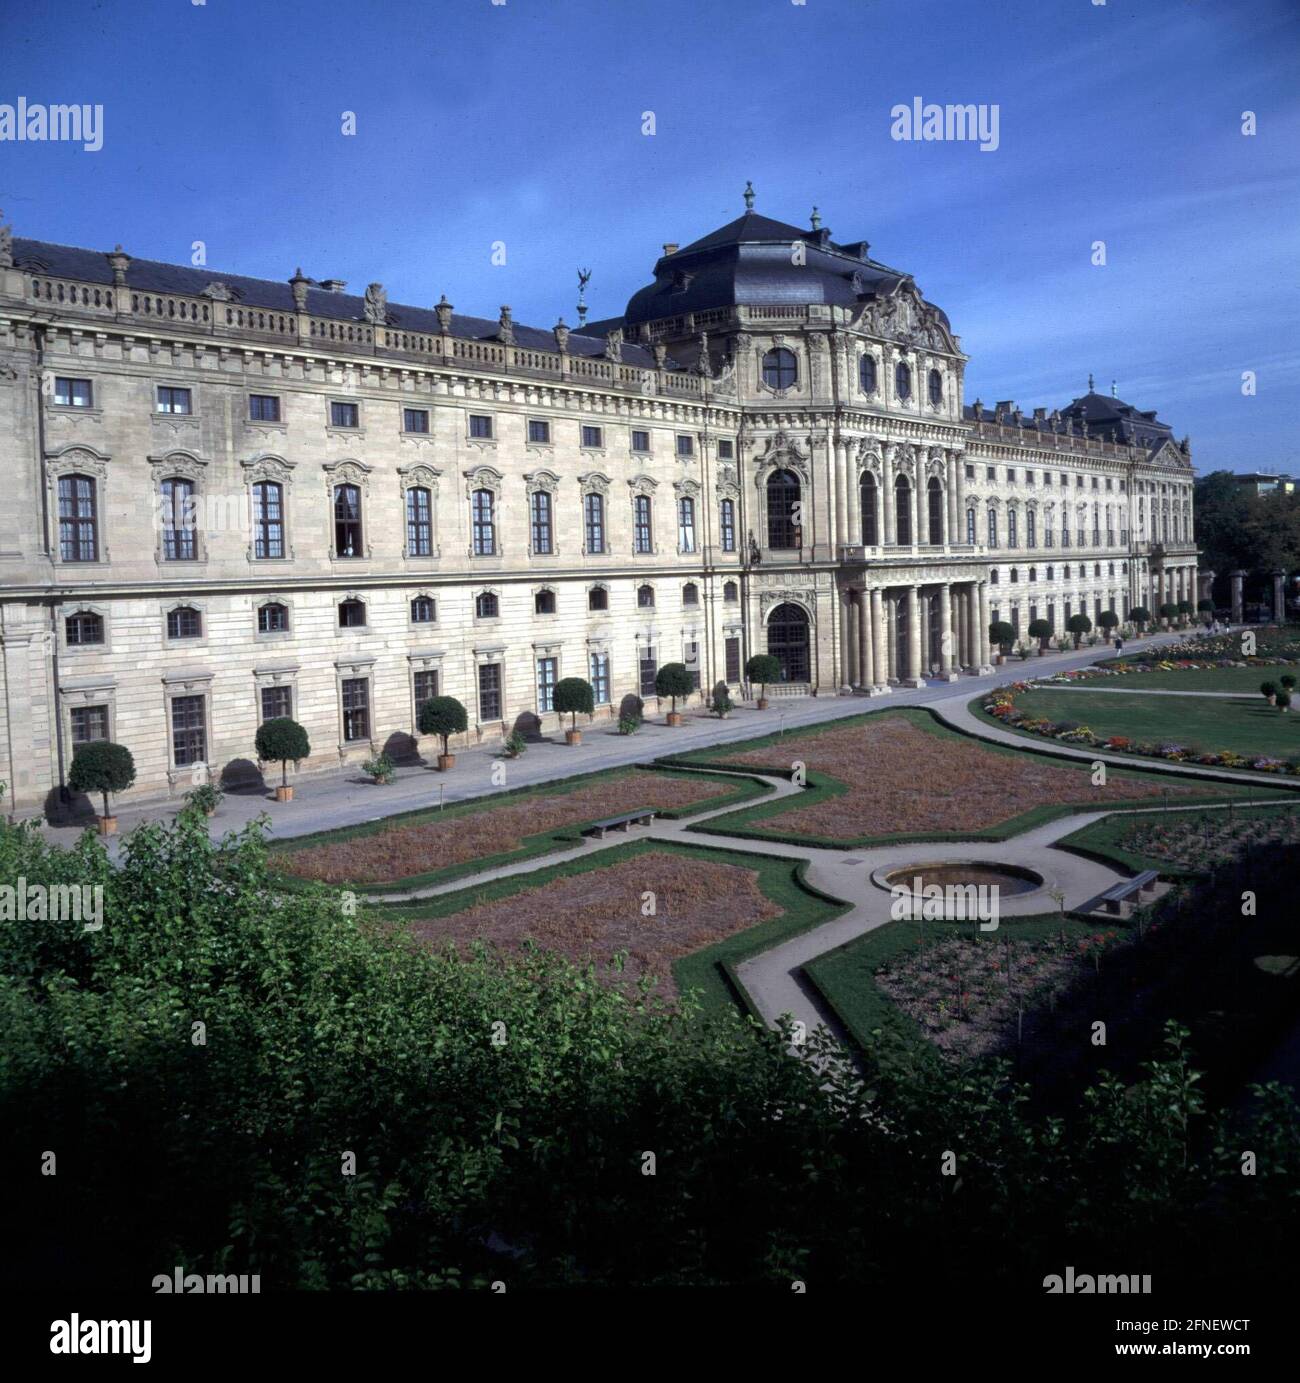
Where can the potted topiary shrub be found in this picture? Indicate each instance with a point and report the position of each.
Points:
(514, 745)
(763, 668)
(1042, 631)
(1184, 608)
(720, 701)
(1003, 636)
(102, 766)
(279, 740)
(1284, 700)
(574, 694)
(205, 798)
(1287, 681)
(1108, 620)
(674, 680)
(1206, 608)
(1078, 625)
(1168, 612)
(1268, 690)
(1140, 616)
(379, 767)
(443, 716)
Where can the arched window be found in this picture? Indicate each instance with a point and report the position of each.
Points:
(1015, 574)
(867, 374)
(783, 491)
(645, 597)
(934, 498)
(483, 523)
(352, 614)
(419, 522)
(788, 641)
(993, 526)
(690, 594)
(593, 510)
(268, 519)
(903, 380)
(85, 627)
(993, 577)
(902, 511)
(686, 524)
(179, 541)
(970, 527)
(1033, 574)
(936, 387)
(1031, 528)
(184, 622)
(347, 521)
(728, 525)
(486, 605)
(780, 369)
(272, 618)
(78, 523)
(598, 598)
(868, 491)
(642, 534)
(544, 602)
(539, 521)
(1051, 573)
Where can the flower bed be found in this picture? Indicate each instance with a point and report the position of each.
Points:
(1001, 705)
(1195, 841)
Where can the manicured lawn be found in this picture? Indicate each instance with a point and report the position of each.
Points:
(712, 909)
(1211, 724)
(1228, 679)
(428, 846)
(899, 775)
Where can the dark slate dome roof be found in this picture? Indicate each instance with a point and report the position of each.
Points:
(748, 261)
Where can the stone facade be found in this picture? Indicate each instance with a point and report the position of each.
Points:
(245, 498)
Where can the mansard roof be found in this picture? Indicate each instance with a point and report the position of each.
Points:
(748, 261)
(154, 276)
(1098, 416)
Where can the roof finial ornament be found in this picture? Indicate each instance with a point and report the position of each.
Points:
(584, 277)
(749, 195)
(1090, 383)
(816, 221)
(1113, 394)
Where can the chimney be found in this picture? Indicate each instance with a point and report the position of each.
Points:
(670, 248)
(333, 285)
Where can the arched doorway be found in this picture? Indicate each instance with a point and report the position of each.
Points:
(788, 632)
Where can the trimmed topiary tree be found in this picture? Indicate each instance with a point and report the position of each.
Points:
(763, 668)
(674, 680)
(1108, 620)
(1140, 616)
(277, 741)
(443, 716)
(1168, 612)
(1268, 690)
(1206, 607)
(1283, 700)
(1042, 631)
(1002, 634)
(101, 766)
(574, 694)
(1078, 625)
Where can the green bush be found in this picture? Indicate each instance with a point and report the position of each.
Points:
(1267, 689)
(1002, 634)
(628, 725)
(574, 694)
(720, 701)
(1108, 619)
(514, 744)
(763, 668)
(1078, 625)
(674, 680)
(443, 716)
(379, 767)
(101, 766)
(205, 798)
(1140, 616)
(279, 740)
(1040, 629)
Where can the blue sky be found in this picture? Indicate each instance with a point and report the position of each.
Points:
(522, 123)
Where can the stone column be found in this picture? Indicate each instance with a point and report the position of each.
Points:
(962, 627)
(945, 634)
(850, 625)
(918, 502)
(887, 494)
(891, 635)
(959, 533)
(880, 654)
(953, 535)
(865, 670)
(843, 526)
(912, 674)
(1238, 616)
(1204, 584)
(982, 629)
(1279, 597)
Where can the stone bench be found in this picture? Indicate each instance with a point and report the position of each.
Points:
(1117, 895)
(641, 816)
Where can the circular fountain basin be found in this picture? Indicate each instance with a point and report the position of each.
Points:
(1009, 879)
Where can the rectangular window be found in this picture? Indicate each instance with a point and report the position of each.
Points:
(179, 540)
(728, 525)
(489, 691)
(726, 449)
(415, 420)
(480, 425)
(649, 670)
(640, 440)
(990, 473)
(78, 541)
(539, 430)
(483, 523)
(594, 516)
(419, 522)
(970, 471)
(268, 519)
(692, 661)
(89, 723)
(189, 738)
(642, 538)
(685, 445)
(686, 524)
(173, 400)
(1011, 475)
(592, 437)
(277, 702)
(73, 393)
(356, 709)
(540, 516)
(426, 686)
(733, 659)
(345, 415)
(600, 678)
(546, 684)
(263, 408)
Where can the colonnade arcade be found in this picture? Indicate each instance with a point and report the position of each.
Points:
(903, 633)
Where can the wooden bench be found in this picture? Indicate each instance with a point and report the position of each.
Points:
(642, 816)
(1130, 889)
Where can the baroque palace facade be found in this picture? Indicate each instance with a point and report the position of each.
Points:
(229, 498)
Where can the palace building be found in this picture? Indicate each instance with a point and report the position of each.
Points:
(229, 498)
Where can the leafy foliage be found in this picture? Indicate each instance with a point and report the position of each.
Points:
(574, 694)
(101, 766)
(443, 716)
(279, 740)
(763, 668)
(674, 680)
